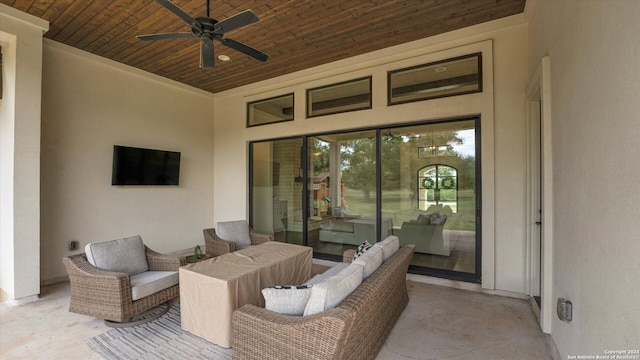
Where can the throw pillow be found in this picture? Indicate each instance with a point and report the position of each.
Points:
(329, 293)
(288, 300)
(433, 217)
(423, 219)
(362, 248)
(440, 220)
(236, 231)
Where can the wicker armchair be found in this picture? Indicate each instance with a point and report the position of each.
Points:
(107, 295)
(216, 246)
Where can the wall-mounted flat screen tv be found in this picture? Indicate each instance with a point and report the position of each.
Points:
(137, 166)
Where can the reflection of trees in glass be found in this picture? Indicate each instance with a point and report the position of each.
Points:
(391, 159)
(320, 156)
(359, 165)
(444, 142)
(399, 155)
(467, 174)
(454, 148)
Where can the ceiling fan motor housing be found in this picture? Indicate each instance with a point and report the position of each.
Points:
(204, 25)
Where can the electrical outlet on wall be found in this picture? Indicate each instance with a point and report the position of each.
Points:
(73, 245)
(565, 310)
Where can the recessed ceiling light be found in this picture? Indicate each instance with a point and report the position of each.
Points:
(441, 69)
(224, 58)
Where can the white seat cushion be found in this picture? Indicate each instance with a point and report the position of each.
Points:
(236, 231)
(120, 255)
(370, 260)
(330, 292)
(150, 282)
(389, 246)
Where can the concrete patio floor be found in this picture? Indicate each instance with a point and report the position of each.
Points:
(438, 323)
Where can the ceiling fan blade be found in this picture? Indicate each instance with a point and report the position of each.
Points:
(163, 36)
(255, 53)
(207, 59)
(237, 21)
(176, 10)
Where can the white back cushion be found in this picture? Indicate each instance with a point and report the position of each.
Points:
(389, 246)
(288, 300)
(327, 274)
(370, 260)
(236, 231)
(121, 255)
(329, 293)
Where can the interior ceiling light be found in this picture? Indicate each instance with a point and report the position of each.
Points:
(441, 69)
(224, 58)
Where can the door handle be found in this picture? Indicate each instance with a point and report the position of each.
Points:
(538, 222)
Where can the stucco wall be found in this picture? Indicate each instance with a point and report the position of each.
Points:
(21, 39)
(501, 106)
(90, 104)
(594, 54)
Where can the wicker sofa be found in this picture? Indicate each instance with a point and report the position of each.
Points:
(355, 329)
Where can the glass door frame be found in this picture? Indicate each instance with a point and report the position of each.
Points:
(304, 162)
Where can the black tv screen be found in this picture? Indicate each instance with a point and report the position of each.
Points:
(137, 166)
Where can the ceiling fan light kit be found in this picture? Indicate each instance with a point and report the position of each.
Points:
(208, 30)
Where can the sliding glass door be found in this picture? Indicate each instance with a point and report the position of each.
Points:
(276, 189)
(429, 189)
(342, 191)
(333, 191)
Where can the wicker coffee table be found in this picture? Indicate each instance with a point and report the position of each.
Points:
(211, 290)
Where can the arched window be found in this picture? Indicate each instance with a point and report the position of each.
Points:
(438, 185)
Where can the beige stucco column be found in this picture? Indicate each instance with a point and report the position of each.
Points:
(21, 40)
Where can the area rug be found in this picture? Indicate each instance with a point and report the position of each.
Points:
(159, 339)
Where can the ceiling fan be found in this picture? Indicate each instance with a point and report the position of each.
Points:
(208, 29)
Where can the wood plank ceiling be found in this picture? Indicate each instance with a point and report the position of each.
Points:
(296, 34)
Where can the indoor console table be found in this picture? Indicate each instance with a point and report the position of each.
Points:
(212, 289)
